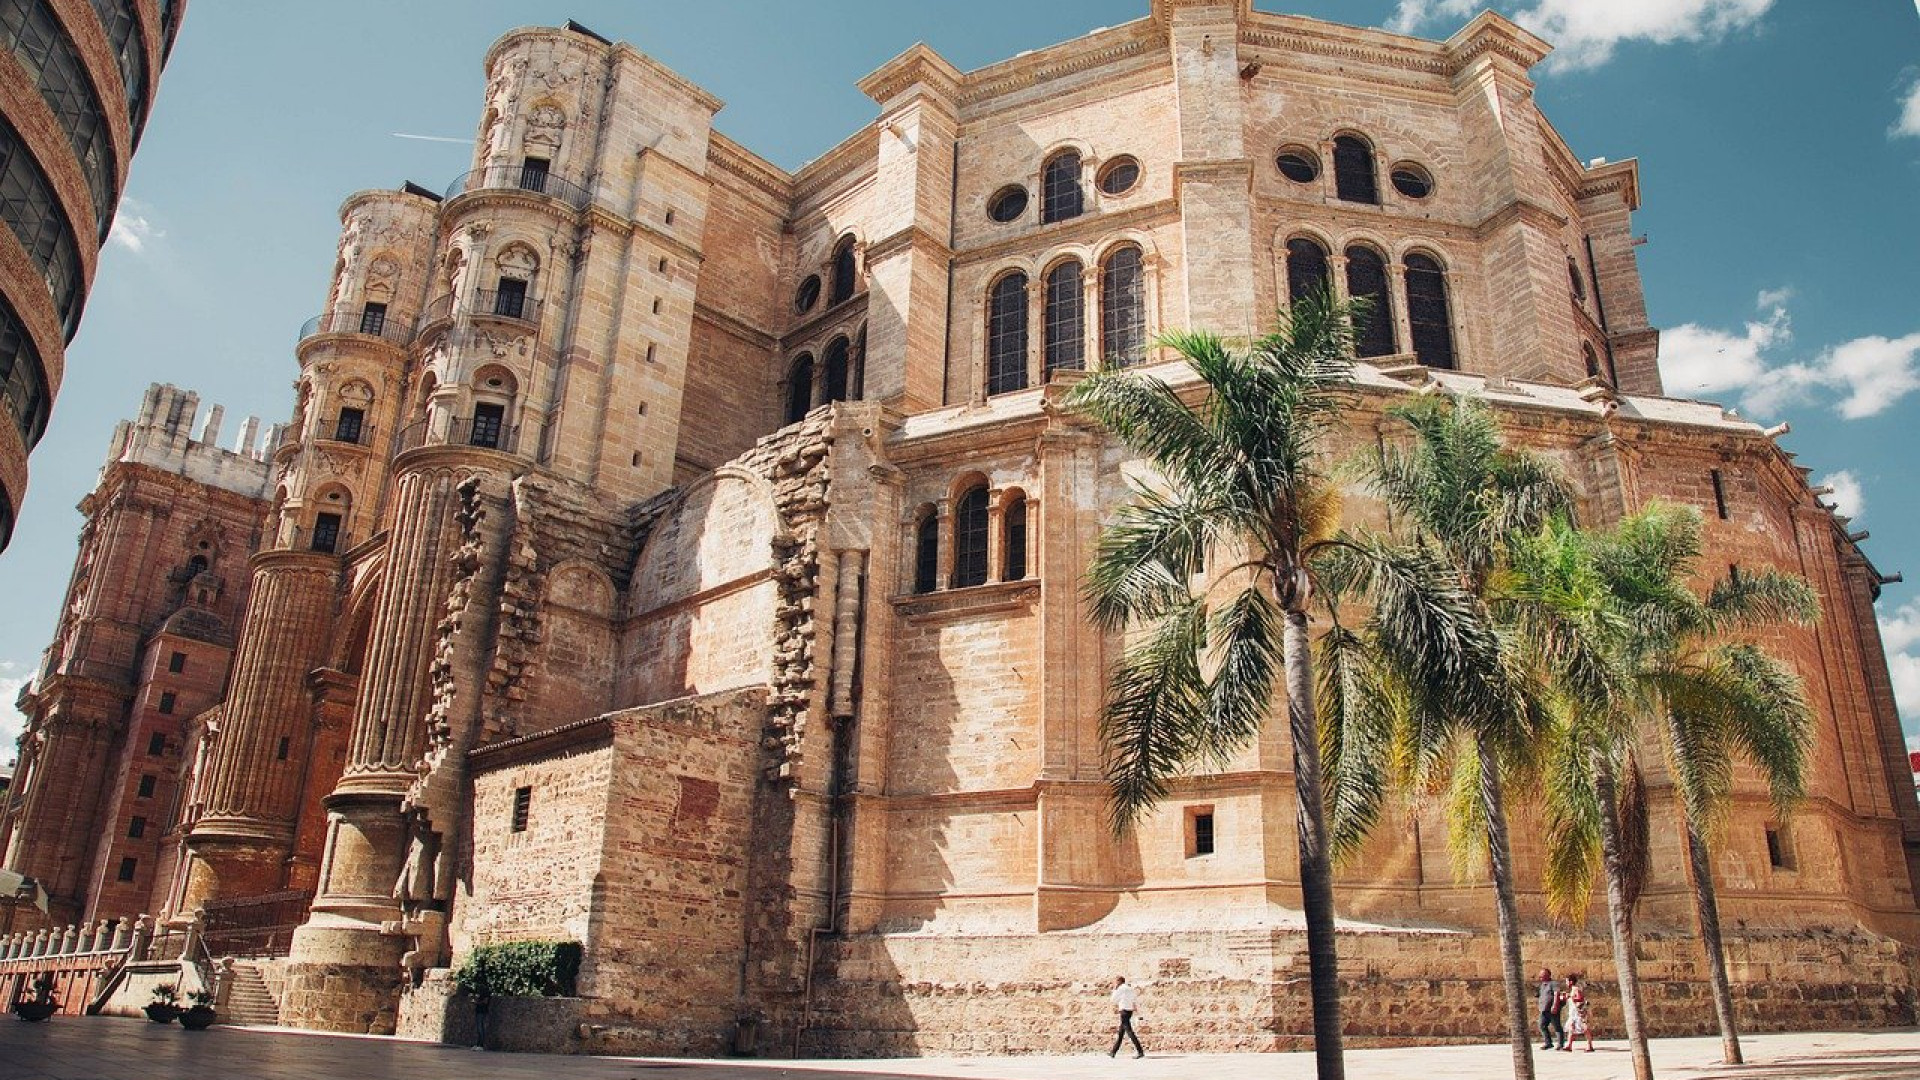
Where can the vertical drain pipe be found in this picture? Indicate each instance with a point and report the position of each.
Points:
(1600, 308)
(847, 610)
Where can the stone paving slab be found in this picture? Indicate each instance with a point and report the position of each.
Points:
(98, 1048)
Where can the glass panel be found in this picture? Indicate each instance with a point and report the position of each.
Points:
(1060, 197)
(1123, 309)
(1066, 319)
(1015, 562)
(800, 389)
(970, 539)
(842, 273)
(1306, 269)
(926, 555)
(1427, 312)
(1353, 178)
(1367, 278)
(1007, 335)
(488, 420)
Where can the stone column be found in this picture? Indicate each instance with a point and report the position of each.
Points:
(239, 845)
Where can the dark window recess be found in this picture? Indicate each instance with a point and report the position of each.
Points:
(128, 867)
(147, 784)
(510, 299)
(1060, 197)
(522, 804)
(807, 295)
(156, 744)
(167, 701)
(926, 555)
(1719, 493)
(348, 427)
(286, 747)
(1007, 204)
(970, 539)
(1066, 319)
(1353, 178)
(1733, 573)
(1299, 166)
(1123, 309)
(1014, 525)
(136, 828)
(373, 319)
(1427, 312)
(1591, 359)
(1306, 269)
(1007, 335)
(177, 663)
(1119, 176)
(1411, 181)
(1575, 281)
(326, 532)
(1778, 856)
(1203, 832)
(533, 174)
(843, 282)
(489, 421)
(1367, 279)
(799, 389)
(837, 365)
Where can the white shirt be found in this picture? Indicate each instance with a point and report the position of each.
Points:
(1124, 997)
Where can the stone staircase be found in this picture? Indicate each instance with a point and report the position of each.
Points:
(248, 999)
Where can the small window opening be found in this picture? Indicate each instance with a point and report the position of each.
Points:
(373, 318)
(156, 744)
(926, 555)
(807, 295)
(136, 828)
(1199, 831)
(1014, 519)
(970, 539)
(651, 353)
(669, 218)
(1353, 175)
(167, 700)
(522, 804)
(147, 784)
(636, 459)
(177, 663)
(1300, 165)
(489, 419)
(1007, 204)
(326, 532)
(1119, 176)
(510, 299)
(1733, 573)
(348, 427)
(128, 867)
(1779, 853)
(1060, 195)
(1719, 493)
(662, 265)
(286, 747)
(1411, 180)
(533, 174)
(843, 284)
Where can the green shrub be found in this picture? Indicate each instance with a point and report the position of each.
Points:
(520, 969)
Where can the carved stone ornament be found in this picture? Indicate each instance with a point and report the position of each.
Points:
(545, 127)
(518, 261)
(382, 276)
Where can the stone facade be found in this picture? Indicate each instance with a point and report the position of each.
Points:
(682, 556)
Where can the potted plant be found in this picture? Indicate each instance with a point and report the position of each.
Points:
(41, 1005)
(165, 1004)
(199, 1015)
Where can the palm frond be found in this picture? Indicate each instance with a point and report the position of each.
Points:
(1146, 556)
(1761, 597)
(1358, 717)
(1247, 633)
(1156, 713)
(1636, 841)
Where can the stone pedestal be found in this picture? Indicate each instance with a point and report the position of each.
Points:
(343, 975)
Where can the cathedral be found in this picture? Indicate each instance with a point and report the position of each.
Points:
(681, 556)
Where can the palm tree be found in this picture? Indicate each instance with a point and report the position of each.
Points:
(1396, 689)
(1707, 699)
(1242, 471)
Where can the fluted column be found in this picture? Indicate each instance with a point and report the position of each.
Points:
(240, 843)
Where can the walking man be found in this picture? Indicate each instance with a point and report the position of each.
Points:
(1551, 1029)
(1125, 997)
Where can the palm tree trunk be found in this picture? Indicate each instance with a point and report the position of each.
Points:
(1621, 917)
(1500, 854)
(1708, 910)
(1316, 861)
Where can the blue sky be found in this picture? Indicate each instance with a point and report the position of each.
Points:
(1779, 145)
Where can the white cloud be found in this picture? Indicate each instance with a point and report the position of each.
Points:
(13, 676)
(1848, 498)
(1909, 122)
(1585, 33)
(1900, 637)
(1868, 375)
(134, 227)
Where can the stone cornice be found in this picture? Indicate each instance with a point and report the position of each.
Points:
(918, 65)
(1142, 36)
(1492, 34)
(1084, 229)
(1614, 176)
(1312, 37)
(856, 152)
(1520, 210)
(725, 155)
(912, 237)
(592, 733)
(731, 324)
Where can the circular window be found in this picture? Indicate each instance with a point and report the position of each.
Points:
(1412, 181)
(1119, 175)
(1298, 164)
(1007, 204)
(807, 295)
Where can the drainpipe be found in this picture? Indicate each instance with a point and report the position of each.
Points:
(1600, 307)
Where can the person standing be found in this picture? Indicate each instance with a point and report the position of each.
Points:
(1578, 1023)
(1551, 1000)
(1125, 998)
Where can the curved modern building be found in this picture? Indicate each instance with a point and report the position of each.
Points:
(77, 79)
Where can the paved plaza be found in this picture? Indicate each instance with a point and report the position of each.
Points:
(113, 1049)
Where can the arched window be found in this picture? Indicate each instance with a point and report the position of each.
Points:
(1592, 361)
(1060, 197)
(842, 287)
(1013, 529)
(926, 552)
(1066, 319)
(970, 538)
(1353, 176)
(1123, 308)
(1007, 334)
(799, 388)
(1427, 314)
(1367, 278)
(1306, 268)
(837, 367)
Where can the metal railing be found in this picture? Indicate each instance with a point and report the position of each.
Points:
(360, 436)
(463, 431)
(521, 178)
(387, 327)
(503, 304)
(256, 925)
